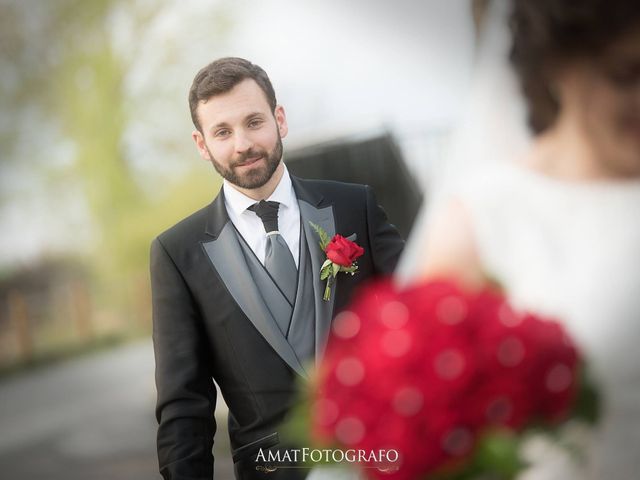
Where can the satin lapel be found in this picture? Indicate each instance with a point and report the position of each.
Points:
(227, 258)
(323, 217)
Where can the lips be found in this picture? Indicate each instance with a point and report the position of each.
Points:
(250, 161)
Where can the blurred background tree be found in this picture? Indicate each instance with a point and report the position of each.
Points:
(69, 116)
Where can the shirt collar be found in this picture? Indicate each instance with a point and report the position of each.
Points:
(239, 202)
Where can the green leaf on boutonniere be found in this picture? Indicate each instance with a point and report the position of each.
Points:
(335, 269)
(325, 273)
(324, 237)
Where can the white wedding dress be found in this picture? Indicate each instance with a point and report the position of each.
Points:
(572, 250)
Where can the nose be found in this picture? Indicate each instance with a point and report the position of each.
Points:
(243, 142)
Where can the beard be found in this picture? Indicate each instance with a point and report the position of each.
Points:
(256, 177)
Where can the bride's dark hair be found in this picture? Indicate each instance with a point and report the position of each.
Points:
(548, 33)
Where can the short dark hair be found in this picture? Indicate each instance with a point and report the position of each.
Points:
(548, 33)
(222, 75)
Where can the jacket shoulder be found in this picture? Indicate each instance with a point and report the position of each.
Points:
(334, 189)
(187, 231)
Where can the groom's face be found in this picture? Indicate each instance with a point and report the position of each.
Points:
(241, 135)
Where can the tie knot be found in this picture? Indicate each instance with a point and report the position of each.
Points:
(268, 213)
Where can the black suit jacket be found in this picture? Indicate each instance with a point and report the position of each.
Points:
(201, 332)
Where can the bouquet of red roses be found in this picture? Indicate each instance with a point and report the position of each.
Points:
(446, 378)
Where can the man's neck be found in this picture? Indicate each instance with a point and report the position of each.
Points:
(265, 191)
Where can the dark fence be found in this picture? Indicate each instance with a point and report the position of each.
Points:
(374, 160)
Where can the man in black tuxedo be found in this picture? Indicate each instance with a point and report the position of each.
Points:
(237, 295)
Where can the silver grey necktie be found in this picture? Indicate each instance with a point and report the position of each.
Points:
(278, 259)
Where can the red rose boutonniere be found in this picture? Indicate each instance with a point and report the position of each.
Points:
(341, 257)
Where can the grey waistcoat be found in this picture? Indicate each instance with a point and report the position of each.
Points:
(301, 330)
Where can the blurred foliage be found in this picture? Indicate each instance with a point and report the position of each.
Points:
(59, 59)
(64, 74)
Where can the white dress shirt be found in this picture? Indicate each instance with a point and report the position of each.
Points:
(251, 227)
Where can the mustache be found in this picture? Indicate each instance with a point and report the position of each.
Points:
(251, 153)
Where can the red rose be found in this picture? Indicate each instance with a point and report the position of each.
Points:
(342, 251)
(426, 370)
(501, 401)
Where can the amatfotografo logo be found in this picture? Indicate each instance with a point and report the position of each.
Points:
(382, 458)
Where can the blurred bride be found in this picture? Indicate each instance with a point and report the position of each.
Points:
(558, 226)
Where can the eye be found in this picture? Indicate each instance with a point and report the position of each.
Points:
(255, 123)
(223, 132)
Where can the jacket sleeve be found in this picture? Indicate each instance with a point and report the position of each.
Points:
(386, 242)
(186, 393)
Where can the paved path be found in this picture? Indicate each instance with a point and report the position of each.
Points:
(89, 418)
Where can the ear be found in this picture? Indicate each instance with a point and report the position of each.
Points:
(281, 120)
(198, 138)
